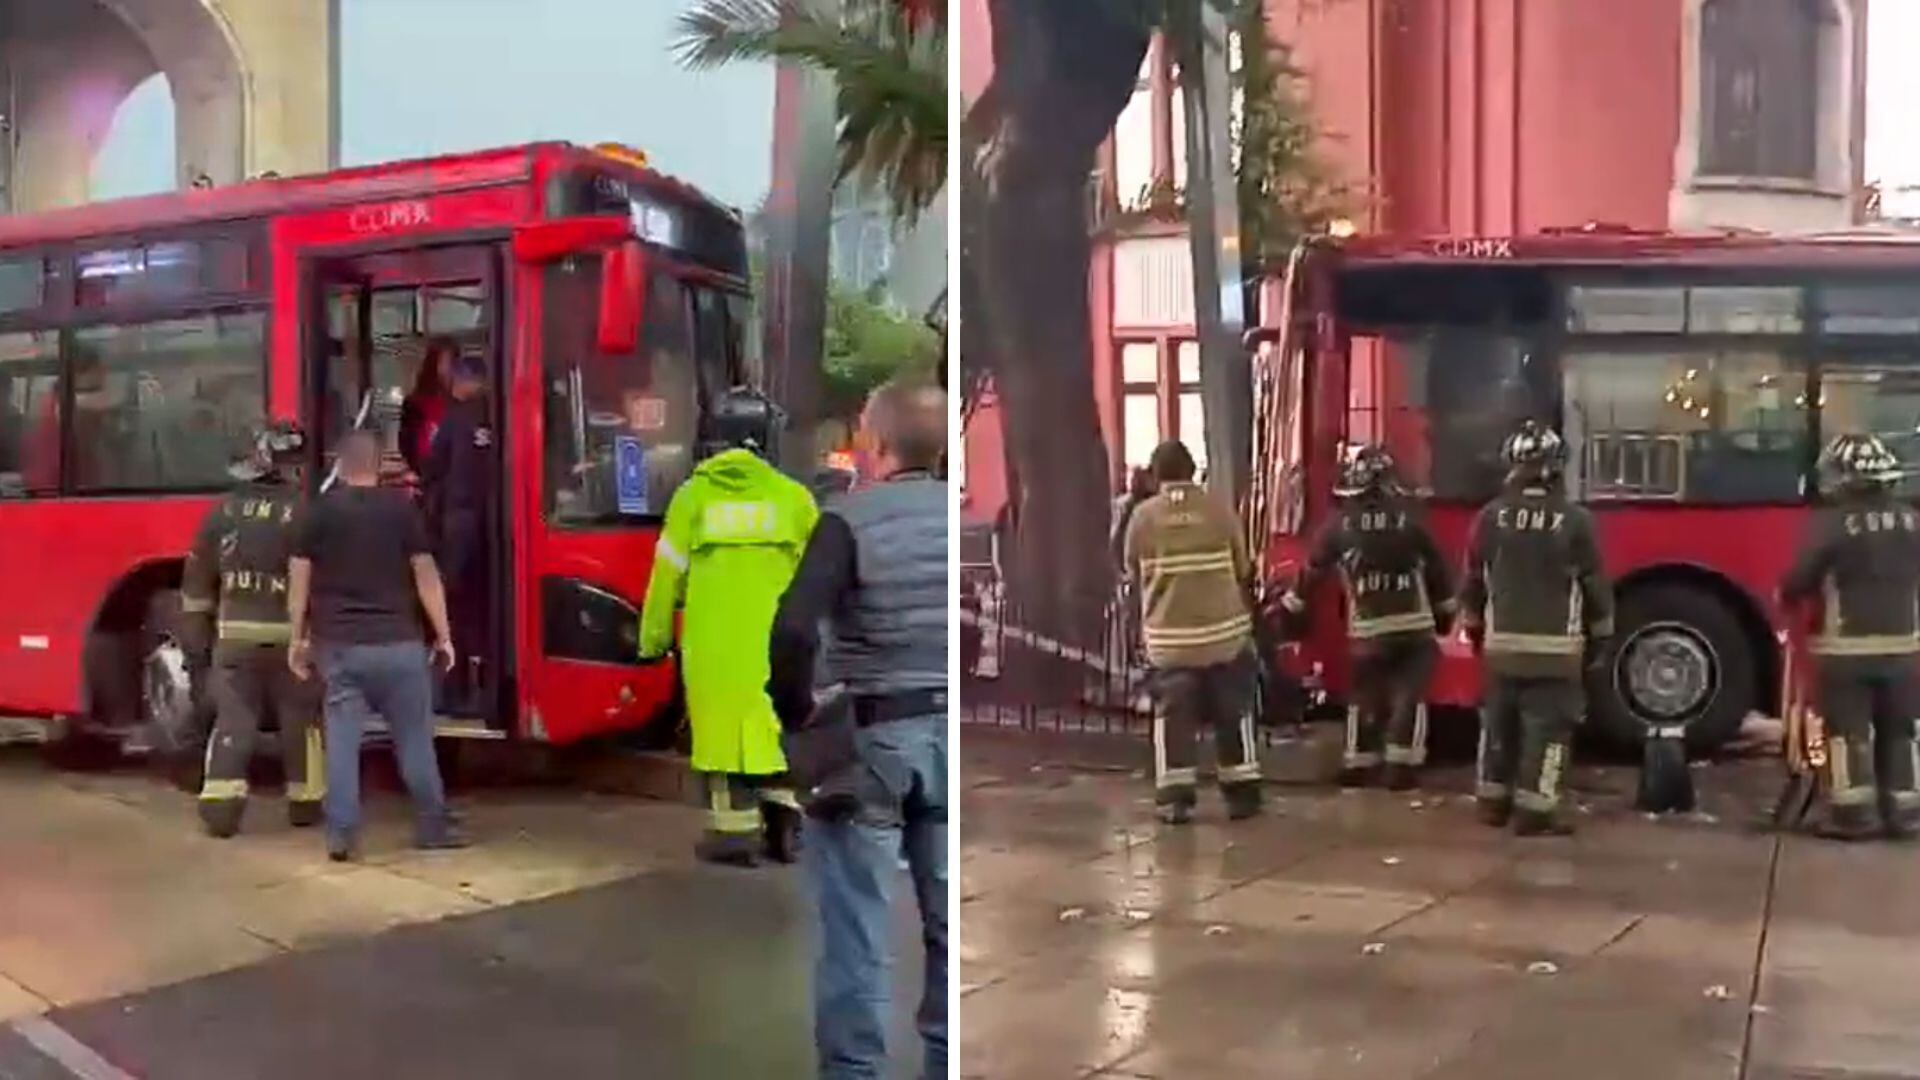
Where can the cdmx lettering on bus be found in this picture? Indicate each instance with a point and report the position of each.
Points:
(1474, 247)
(400, 215)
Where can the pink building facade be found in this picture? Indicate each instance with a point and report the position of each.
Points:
(1477, 118)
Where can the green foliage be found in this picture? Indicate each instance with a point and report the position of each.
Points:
(868, 343)
(888, 61)
(1287, 191)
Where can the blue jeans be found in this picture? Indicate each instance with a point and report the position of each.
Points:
(853, 866)
(394, 682)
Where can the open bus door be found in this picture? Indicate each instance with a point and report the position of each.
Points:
(370, 317)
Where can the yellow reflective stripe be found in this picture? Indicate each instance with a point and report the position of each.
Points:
(1166, 567)
(1489, 789)
(195, 605)
(1235, 774)
(1390, 624)
(1189, 560)
(1552, 644)
(1292, 602)
(256, 632)
(1224, 630)
(1184, 776)
(314, 787)
(1535, 801)
(1865, 645)
(1361, 759)
(734, 821)
(665, 549)
(1406, 755)
(220, 790)
(780, 796)
(1837, 763)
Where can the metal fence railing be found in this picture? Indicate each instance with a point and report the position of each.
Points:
(1013, 676)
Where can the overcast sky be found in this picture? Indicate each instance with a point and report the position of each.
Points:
(1893, 95)
(429, 76)
(424, 77)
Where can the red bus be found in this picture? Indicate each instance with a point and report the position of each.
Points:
(1694, 376)
(140, 338)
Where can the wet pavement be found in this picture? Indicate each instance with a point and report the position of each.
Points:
(1378, 935)
(576, 939)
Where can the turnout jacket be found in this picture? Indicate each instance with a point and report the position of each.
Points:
(1395, 580)
(237, 570)
(1183, 546)
(1861, 558)
(1535, 589)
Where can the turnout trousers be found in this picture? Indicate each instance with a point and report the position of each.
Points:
(1187, 699)
(249, 682)
(1871, 756)
(1526, 734)
(1387, 719)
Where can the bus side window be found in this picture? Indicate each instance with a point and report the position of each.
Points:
(29, 414)
(162, 405)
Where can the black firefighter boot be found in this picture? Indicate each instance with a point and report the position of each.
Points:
(1540, 823)
(729, 849)
(1493, 811)
(1402, 777)
(304, 813)
(1852, 822)
(1242, 799)
(222, 816)
(780, 835)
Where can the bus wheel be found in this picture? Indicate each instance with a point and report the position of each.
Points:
(169, 712)
(1679, 656)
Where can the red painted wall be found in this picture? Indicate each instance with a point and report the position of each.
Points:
(1462, 117)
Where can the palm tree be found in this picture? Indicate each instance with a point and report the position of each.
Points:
(888, 61)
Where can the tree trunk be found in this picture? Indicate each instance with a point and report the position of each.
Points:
(1063, 70)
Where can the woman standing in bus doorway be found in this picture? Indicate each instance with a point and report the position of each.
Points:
(426, 405)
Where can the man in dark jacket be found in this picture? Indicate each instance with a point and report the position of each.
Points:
(461, 480)
(875, 570)
(1398, 597)
(1536, 605)
(236, 577)
(1862, 551)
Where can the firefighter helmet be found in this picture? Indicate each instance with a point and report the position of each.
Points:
(743, 419)
(1859, 461)
(1369, 468)
(270, 447)
(1534, 451)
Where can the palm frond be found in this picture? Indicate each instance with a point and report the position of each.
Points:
(889, 66)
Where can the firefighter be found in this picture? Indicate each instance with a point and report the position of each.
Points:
(1184, 550)
(236, 576)
(1399, 595)
(1862, 553)
(733, 537)
(1537, 606)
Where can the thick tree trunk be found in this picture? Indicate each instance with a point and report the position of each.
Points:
(1063, 70)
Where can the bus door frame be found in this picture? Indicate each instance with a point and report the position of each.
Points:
(323, 266)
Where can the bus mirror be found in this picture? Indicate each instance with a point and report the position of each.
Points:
(622, 287)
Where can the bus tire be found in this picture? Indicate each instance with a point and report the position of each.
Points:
(1679, 655)
(171, 704)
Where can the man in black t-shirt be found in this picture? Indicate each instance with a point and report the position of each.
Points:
(361, 577)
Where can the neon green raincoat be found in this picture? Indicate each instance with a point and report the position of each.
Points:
(733, 538)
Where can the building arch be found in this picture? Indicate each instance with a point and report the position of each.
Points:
(253, 86)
